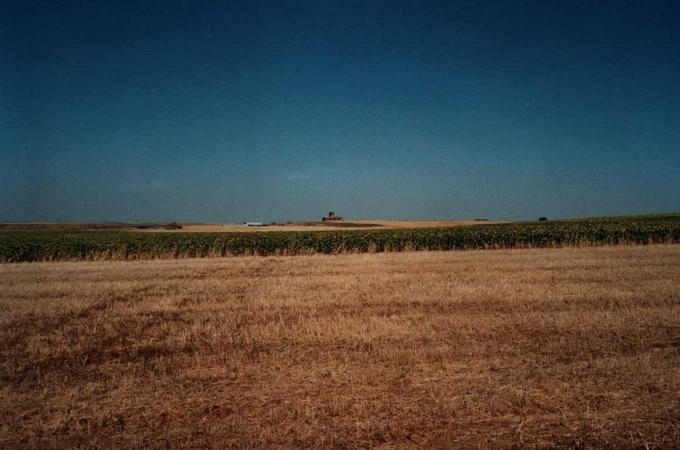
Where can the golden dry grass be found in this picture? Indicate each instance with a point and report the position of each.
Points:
(529, 348)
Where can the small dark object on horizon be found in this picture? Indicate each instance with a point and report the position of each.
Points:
(173, 226)
(331, 216)
(542, 219)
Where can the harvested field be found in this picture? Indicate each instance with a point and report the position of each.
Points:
(563, 347)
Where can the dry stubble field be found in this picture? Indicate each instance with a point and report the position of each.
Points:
(548, 347)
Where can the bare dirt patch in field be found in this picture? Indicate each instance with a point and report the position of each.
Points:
(549, 347)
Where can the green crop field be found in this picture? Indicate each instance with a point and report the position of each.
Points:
(33, 245)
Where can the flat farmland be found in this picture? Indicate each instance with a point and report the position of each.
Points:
(241, 227)
(317, 226)
(24, 245)
(556, 347)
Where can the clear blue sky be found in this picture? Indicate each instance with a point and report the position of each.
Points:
(274, 110)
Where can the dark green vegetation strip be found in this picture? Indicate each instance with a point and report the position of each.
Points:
(18, 246)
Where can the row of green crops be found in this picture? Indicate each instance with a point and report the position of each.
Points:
(18, 246)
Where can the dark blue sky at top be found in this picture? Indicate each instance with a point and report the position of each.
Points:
(234, 111)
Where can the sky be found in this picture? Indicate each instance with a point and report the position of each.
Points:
(197, 111)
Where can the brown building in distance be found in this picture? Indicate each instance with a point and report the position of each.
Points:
(331, 216)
